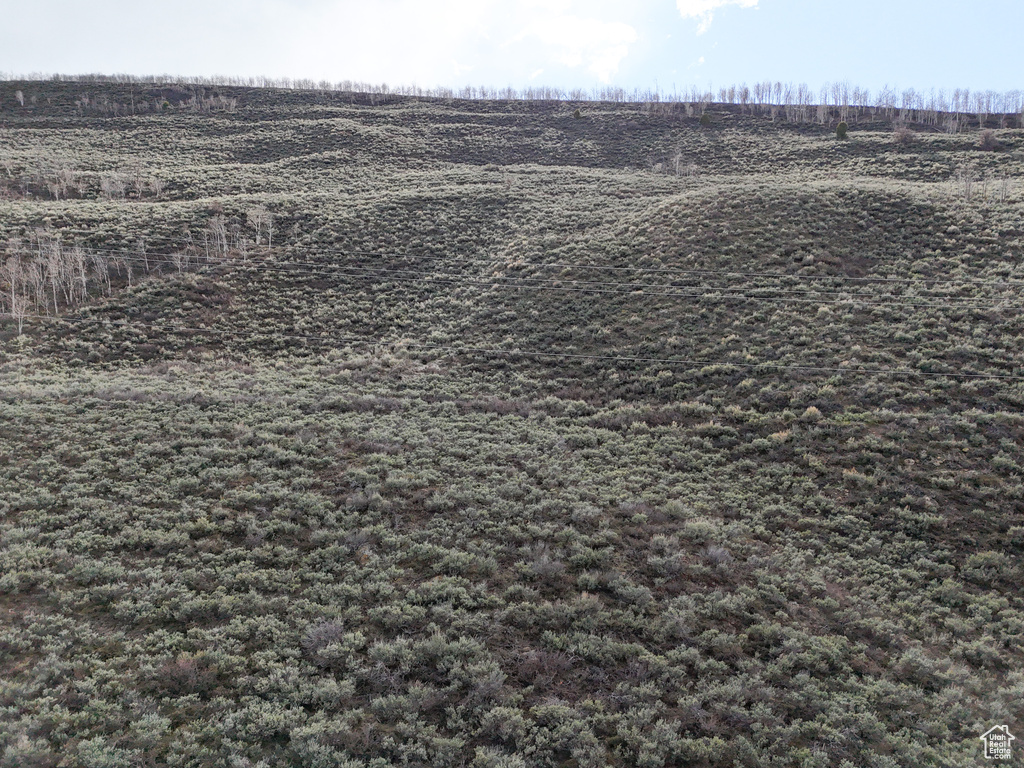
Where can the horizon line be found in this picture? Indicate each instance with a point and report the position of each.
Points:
(767, 93)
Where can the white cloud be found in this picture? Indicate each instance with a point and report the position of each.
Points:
(393, 41)
(445, 42)
(704, 10)
(566, 43)
(574, 40)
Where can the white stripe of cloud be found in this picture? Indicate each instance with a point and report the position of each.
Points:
(704, 10)
(577, 40)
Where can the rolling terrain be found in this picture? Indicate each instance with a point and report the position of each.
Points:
(364, 432)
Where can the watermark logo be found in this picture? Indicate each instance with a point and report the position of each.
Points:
(997, 742)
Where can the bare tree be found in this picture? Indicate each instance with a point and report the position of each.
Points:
(190, 246)
(10, 273)
(144, 255)
(964, 182)
(262, 221)
(218, 229)
(19, 310)
(123, 264)
(101, 270)
(55, 269)
(112, 185)
(139, 184)
(20, 97)
(13, 274)
(238, 240)
(77, 274)
(987, 140)
(66, 179)
(35, 282)
(902, 134)
(256, 216)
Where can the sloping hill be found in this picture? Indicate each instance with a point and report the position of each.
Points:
(524, 439)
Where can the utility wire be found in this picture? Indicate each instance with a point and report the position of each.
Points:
(541, 353)
(290, 264)
(554, 284)
(665, 270)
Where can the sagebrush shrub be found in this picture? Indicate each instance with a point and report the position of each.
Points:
(902, 135)
(987, 140)
(322, 634)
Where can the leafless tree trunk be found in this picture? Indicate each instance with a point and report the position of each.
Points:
(255, 217)
(55, 270)
(965, 182)
(10, 273)
(138, 184)
(13, 273)
(113, 186)
(78, 274)
(34, 280)
(237, 241)
(218, 230)
(262, 221)
(124, 262)
(191, 250)
(66, 179)
(101, 271)
(19, 310)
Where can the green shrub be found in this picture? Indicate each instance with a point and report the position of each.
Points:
(841, 130)
(705, 119)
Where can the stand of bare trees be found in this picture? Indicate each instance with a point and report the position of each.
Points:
(795, 102)
(261, 220)
(968, 185)
(13, 275)
(41, 275)
(61, 182)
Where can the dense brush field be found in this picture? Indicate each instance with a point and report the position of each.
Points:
(349, 432)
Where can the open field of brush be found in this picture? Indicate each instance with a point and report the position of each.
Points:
(350, 432)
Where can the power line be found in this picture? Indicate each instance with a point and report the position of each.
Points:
(613, 288)
(542, 353)
(554, 284)
(661, 270)
(268, 264)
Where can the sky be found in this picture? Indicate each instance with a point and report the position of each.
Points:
(664, 45)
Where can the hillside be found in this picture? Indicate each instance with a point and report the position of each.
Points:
(351, 431)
